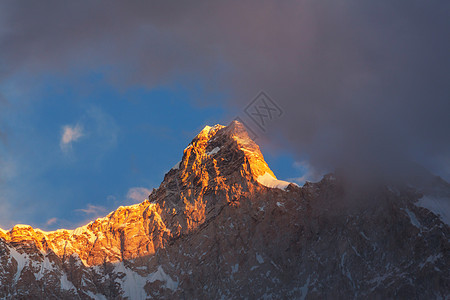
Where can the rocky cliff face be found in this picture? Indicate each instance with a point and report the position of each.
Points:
(222, 226)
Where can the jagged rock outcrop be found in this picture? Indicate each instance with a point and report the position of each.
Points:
(222, 226)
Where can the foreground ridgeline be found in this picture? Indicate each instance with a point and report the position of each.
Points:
(222, 226)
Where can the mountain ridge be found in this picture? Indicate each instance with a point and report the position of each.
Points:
(203, 147)
(213, 230)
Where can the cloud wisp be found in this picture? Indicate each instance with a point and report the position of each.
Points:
(98, 129)
(51, 221)
(70, 134)
(93, 210)
(137, 194)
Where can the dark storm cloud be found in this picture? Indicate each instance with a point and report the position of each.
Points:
(364, 84)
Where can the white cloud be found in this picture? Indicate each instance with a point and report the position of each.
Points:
(98, 130)
(138, 194)
(51, 221)
(94, 210)
(70, 134)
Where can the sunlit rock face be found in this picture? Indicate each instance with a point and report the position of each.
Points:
(222, 226)
(219, 168)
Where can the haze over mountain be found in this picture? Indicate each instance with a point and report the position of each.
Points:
(221, 225)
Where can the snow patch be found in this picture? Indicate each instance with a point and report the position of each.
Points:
(431, 259)
(234, 268)
(259, 258)
(21, 260)
(270, 182)
(364, 236)
(133, 284)
(45, 267)
(342, 259)
(438, 206)
(66, 284)
(162, 276)
(413, 218)
(304, 289)
(213, 151)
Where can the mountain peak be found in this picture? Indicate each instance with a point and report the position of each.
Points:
(217, 142)
(209, 131)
